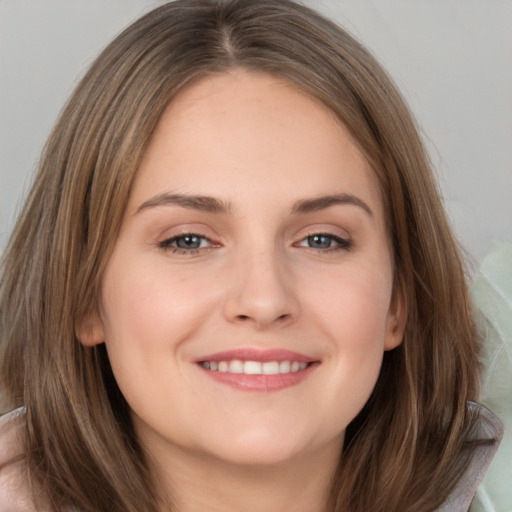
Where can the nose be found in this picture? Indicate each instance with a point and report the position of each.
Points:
(261, 292)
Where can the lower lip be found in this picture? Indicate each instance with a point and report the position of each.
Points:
(265, 383)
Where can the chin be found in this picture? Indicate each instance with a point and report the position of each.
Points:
(268, 448)
(255, 455)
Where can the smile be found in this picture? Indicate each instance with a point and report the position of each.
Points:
(258, 370)
(255, 367)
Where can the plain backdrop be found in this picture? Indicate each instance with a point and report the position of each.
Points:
(452, 59)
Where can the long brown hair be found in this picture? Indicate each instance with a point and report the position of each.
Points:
(403, 451)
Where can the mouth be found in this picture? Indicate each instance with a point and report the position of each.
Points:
(256, 370)
(255, 367)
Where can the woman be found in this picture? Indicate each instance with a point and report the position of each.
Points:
(233, 285)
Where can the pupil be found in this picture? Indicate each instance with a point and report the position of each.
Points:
(319, 241)
(188, 242)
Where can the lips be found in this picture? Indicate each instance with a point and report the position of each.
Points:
(258, 370)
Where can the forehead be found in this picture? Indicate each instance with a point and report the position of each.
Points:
(240, 133)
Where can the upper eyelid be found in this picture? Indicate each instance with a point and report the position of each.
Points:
(337, 238)
(324, 231)
(335, 232)
(184, 234)
(188, 230)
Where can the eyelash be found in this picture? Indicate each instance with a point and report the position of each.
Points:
(167, 244)
(337, 243)
(340, 244)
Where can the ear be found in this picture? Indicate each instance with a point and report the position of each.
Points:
(397, 316)
(90, 330)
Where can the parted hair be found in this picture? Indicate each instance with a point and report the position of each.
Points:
(408, 446)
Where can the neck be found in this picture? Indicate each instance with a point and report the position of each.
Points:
(301, 484)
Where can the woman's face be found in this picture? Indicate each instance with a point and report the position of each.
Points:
(249, 297)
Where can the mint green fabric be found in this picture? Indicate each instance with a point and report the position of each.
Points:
(491, 294)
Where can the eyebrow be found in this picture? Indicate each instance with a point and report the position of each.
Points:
(213, 205)
(323, 202)
(201, 203)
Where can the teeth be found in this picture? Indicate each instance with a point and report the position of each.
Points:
(236, 366)
(284, 367)
(270, 368)
(255, 367)
(252, 368)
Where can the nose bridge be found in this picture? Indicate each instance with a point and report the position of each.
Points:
(262, 292)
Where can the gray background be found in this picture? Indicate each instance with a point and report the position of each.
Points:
(452, 60)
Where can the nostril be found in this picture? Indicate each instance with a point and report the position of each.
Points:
(279, 319)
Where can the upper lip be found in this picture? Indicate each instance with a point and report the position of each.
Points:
(261, 355)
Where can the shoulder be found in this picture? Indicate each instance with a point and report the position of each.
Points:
(487, 436)
(10, 442)
(14, 493)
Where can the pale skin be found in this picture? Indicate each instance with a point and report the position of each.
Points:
(254, 224)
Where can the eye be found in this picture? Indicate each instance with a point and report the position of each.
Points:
(186, 243)
(325, 242)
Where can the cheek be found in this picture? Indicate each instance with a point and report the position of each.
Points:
(352, 311)
(151, 306)
(354, 304)
(149, 314)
